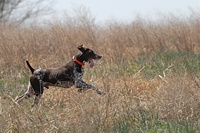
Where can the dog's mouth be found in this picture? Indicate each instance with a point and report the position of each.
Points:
(91, 62)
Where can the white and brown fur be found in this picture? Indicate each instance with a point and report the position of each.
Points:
(65, 76)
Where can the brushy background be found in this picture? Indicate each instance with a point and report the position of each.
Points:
(149, 72)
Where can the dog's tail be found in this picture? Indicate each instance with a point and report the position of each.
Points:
(30, 67)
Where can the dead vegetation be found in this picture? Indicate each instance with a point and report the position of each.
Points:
(134, 101)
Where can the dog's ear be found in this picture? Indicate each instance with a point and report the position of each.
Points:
(82, 48)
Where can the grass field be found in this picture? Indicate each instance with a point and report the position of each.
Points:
(149, 71)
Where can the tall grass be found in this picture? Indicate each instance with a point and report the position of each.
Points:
(149, 72)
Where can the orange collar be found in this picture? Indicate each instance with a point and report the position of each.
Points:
(80, 63)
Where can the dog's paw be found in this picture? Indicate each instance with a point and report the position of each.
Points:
(100, 92)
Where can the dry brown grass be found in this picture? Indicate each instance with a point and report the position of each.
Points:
(60, 110)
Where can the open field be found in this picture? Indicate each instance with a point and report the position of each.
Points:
(149, 71)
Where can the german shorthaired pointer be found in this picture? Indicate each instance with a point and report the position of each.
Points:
(65, 76)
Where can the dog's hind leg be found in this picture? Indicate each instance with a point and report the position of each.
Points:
(38, 89)
(36, 99)
(26, 95)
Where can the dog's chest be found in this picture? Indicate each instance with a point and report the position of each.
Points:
(78, 73)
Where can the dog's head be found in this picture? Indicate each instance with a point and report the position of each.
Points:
(88, 55)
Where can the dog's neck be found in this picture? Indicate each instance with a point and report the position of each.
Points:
(78, 62)
(78, 59)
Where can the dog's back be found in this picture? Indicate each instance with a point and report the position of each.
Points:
(63, 73)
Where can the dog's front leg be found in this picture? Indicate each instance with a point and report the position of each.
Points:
(83, 86)
(97, 90)
(79, 83)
